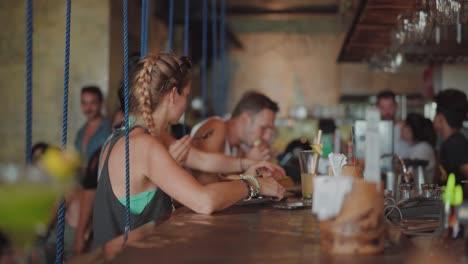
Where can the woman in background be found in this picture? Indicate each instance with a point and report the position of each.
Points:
(418, 133)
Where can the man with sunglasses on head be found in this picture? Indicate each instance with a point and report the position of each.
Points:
(248, 133)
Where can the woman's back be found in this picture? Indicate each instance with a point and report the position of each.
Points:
(109, 212)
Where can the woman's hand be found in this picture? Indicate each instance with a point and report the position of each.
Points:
(180, 149)
(78, 245)
(266, 169)
(270, 187)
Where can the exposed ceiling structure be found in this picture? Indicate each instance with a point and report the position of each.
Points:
(253, 7)
(370, 34)
(269, 9)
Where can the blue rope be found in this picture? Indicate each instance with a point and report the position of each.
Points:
(60, 232)
(126, 108)
(186, 51)
(61, 211)
(186, 27)
(66, 76)
(222, 44)
(144, 28)
(171, 25)
(214, 54)
(29, 69)
(204, 50)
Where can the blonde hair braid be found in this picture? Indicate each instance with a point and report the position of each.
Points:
(143, 87)
(153, 77)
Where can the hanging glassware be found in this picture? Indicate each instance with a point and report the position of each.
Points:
(463, 14)
(404, 29)
(388, 61)
(397, 40)
(462, 19)
(449, 12)
(422, 26)
(414, 27)
(437, 34)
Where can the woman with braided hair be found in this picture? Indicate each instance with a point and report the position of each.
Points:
(159, 89)
(187, 155)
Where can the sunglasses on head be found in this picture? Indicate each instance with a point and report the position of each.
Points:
(178, 72)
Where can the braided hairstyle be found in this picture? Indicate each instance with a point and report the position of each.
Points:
(152, 78)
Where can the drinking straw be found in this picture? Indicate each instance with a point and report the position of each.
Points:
(317, 143)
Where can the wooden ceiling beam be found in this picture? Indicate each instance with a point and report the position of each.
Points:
(373, 24)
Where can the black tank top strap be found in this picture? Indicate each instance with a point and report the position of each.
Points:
(109, 213)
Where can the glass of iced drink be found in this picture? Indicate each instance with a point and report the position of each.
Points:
(308, 162)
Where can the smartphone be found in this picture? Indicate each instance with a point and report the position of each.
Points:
(291, 206)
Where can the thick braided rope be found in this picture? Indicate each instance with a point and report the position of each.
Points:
(204, 55)
(186, 48)
(222, 44)
(214, 55)
(66, 76)
(126, 112)
(186, 27)
(144, 28)
(60, 232)
(171, 25)
(61, 211)
(29, 71)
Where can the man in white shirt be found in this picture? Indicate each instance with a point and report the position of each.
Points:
(387, 105)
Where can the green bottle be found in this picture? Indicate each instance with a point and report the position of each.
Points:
(327, 143)
(447, 197)
(455, 230)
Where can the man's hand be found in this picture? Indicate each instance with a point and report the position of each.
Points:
(259, 152)
(266, 169)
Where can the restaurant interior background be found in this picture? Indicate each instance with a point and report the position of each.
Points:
(316, 58)
(327, 57)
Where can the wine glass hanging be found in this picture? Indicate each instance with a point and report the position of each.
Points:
(449, 12)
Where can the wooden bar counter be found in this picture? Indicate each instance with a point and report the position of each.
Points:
(240, 234)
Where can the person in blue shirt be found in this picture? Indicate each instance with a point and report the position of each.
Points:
(97, 128)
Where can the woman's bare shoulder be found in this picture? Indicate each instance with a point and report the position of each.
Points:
(145, 140)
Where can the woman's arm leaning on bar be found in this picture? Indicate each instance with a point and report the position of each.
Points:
(218, 163)
(183, 187)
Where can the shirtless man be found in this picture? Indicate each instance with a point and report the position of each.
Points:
(248, 133)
